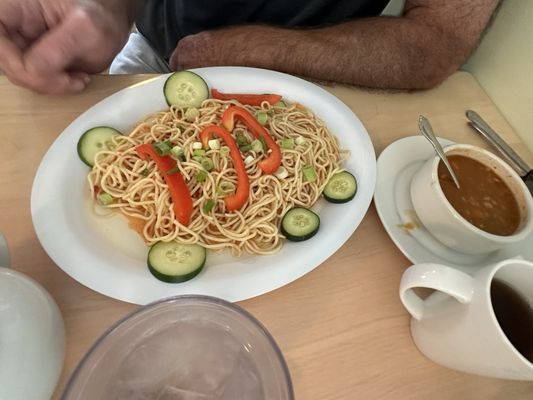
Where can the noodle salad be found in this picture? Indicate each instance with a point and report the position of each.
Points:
(228, 172)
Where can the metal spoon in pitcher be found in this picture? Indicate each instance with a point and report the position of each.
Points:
(427, 131)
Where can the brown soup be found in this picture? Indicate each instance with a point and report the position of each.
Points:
(484, 199)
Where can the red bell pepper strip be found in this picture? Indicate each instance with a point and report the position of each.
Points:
(249, 99)
(179, 192)
(242, 192)
(271, 163)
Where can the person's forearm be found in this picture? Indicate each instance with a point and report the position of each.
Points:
(377, 52)
(416, 51)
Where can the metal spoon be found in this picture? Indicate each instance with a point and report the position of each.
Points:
(427, 131)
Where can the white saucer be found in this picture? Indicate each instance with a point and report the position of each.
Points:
(32, 339)
(396, 166)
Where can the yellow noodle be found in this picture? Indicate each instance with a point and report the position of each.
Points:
(140, 192)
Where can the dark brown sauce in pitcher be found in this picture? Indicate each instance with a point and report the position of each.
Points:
(484, 199)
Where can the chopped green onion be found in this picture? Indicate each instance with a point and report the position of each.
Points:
(300, 140)
(162, 148)
(248, 160)
(263, 143)
(214, 144)
(207, 164)
(145, 172)
(225, 188)
(199, 152)
(246, 147)
(281, 172)
(201, 176)
(309, 173)
(105, 199)
(287, 143)
(241, 139)
(197, 145)
(261, 117)
(224, 150)
(191, 114)
(169, 143)
(280, 103)
(177, 151)
(208, 205)
(197, 158)
(257, 146)
(173, 170)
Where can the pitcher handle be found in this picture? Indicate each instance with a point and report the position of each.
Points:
(433, 276)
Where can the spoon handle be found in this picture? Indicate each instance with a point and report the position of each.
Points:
(427, 131)
(495, 140)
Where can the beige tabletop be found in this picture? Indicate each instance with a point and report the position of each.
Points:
(342, 328)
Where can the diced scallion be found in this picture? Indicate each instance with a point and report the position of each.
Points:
(262, 117)
(144, 172)
(173, 170)
(309, 173)
(201, 176)
(198, 152)
(248, 160)
(214, 144)
(257, 146)
(281, 172)
(263, 143)
(208, 205)
(299, 140)
(287, 143)
(241, 139)
(105, 199)
(224, 188)
(197, 145)
(224, 150)
(246, 147)
(207, 164)
(162, 148)
(177, 151)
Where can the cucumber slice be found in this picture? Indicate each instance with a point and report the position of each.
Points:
(185, 89)
(175, 262)
(341, 188)
(299, 224)
(93, 141)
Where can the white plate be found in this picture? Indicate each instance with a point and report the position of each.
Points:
(86, 250)
(32, 338)
(396, 166)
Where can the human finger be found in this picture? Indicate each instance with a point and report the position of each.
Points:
(59, 48)
(10, 56)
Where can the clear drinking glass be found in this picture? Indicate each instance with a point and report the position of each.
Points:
(183, 348)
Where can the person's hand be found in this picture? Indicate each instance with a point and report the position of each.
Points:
(50, 46)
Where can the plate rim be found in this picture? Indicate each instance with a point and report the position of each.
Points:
(362, 136)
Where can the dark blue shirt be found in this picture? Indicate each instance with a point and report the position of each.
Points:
(165, 22)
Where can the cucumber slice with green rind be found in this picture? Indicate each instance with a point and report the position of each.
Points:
(299, 224)
(174, 262)
(340, 188)
(95, 140)
(185, 89)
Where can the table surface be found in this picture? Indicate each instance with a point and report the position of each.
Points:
(342, 328)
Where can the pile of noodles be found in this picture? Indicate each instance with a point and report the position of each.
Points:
(140, 192)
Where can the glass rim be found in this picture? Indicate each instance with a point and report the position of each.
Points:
(202, 298)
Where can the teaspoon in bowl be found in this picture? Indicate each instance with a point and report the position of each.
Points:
(427, 131)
